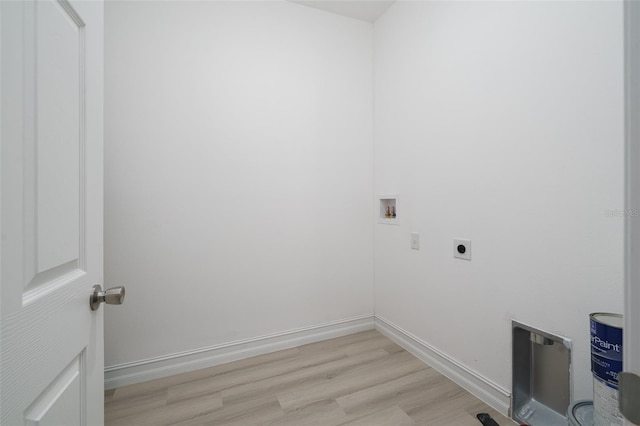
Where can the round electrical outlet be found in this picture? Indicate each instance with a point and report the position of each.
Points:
(462, 248)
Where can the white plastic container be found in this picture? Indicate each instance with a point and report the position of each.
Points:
(580, 413)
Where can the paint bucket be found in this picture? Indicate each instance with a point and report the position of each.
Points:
(580, 413)
(606, 364)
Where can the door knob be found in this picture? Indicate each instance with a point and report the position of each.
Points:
(111, 296)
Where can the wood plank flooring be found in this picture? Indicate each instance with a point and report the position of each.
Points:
(363, 379)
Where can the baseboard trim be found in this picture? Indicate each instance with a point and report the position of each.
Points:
(158, 367)
(482, 388)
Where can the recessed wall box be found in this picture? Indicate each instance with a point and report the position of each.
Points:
(389, 213)
(541, 377)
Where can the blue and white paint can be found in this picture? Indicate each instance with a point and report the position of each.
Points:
(606, 364)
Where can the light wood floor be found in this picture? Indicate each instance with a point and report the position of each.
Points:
(363, 379)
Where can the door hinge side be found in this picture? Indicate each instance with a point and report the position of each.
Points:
(629, 384)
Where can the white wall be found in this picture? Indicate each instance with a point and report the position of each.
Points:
(500, 122)
(238, 173)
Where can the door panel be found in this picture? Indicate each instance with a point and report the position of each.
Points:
(60, 139)
(54, 161)
(51, 350)
(63, 402)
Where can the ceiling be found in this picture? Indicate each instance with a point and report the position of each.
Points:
(364, 10)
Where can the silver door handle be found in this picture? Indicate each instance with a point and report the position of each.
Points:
(111, 296)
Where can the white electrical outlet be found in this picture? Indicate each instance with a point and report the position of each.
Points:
(462, 248)
(415, 241)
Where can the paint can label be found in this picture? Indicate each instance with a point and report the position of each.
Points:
(606, 364)
(606, 351)
(605, 404)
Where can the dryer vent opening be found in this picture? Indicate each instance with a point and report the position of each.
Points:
(541, 391)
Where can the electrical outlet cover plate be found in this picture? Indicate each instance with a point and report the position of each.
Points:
(462, 248)
(415, 241)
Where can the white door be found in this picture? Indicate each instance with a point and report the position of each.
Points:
(51, 342)
(631, 338)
